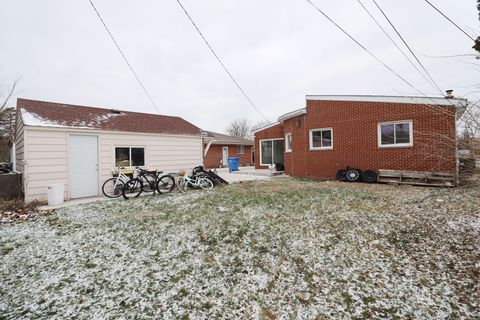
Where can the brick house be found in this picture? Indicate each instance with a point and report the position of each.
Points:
(218, 147)
(365, 132)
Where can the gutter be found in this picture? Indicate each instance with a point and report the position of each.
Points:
(292, 114)
(207, 148)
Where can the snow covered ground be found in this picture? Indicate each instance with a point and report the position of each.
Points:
(275, 249)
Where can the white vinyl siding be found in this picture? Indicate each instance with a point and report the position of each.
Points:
(19, 145)
(47, 155)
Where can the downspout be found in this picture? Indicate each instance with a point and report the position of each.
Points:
(207, 148)
(13, 157)
(458, 108)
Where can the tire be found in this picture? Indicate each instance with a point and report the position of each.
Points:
(341, 175)
(165, 184)
(148, 183)
(352, 175)
(132, 189)
(110, 190)
(369, 176)
(205, 183)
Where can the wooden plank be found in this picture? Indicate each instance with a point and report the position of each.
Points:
(419, 178)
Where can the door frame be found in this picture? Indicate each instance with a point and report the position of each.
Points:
(69, 185)
(273, 151)
(225, 163)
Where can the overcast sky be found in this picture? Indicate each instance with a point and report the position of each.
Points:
(278, 50)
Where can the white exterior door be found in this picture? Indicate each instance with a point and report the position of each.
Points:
(225, 156)
(83, 164)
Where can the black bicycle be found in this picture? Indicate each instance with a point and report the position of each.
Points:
(148, 181)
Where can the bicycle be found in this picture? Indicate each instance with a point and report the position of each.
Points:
(184, 182)
(112, 187)
(148, 181)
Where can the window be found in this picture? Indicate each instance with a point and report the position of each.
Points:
(321, 139)
(271, 151)
(288, 142)
(240, 149)
(129, 157)
(395, 134)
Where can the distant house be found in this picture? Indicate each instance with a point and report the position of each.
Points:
(364, 132)
(79, 146)
(219, 147)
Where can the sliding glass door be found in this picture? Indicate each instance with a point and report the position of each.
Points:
(271, 151)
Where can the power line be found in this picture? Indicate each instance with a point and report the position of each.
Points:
(451, 21)
(364, 48)
(124, 57)
(220, 61)
(374, 56)
(395, 43)
(408, 47)
(450, 56)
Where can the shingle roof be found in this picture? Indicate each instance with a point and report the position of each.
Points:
(219, 138)
(60, 115)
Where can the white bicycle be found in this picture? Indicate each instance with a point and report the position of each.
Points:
(112, 188)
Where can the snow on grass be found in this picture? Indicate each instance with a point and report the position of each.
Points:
(277, 249)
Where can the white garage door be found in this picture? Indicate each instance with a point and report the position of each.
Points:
(83, 160)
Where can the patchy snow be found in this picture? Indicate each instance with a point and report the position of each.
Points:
(94, 122)
(276, 249)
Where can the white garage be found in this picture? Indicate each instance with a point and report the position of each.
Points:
(80, 146)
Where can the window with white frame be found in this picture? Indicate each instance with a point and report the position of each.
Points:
(395, 134)
(321, 139)
(288, 142)
(240, 149)
(271, 151)
(129, 156)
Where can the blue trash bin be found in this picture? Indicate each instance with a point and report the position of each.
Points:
(233, 164)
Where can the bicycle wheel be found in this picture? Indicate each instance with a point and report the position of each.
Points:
(112, 188)
(165, 184)
(205, 183)
(148, 183)
(182, 184)
(132, 189)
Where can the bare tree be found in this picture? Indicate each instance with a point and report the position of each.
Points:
(5, 95)
(7, 119)
(259, 124)
(240, 128)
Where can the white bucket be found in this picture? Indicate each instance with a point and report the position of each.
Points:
(55, 194)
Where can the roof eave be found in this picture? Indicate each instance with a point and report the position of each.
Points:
(292, 114)
(238, 143)
(266, 127)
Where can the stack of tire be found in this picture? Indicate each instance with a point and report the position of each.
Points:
(356, 175)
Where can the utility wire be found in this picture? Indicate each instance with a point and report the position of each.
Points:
(364, 48)
(220, 61)
(395, 43)
(379, 60)
(124, 57)
(451, 21)
(408, 47)
(450, 56)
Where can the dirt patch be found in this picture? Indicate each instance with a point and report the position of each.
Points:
(17, 210)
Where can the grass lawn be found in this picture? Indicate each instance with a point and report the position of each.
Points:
(278, 249)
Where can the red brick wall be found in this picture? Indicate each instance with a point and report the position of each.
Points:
(269, 133)
(214, 155)
(355, 140)
(295, 161)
